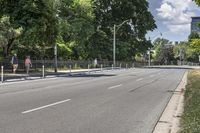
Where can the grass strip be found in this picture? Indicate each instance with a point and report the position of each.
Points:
(190, 120)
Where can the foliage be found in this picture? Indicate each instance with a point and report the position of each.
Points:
(193, 35)
(195, 44)
(158, 47)
(186, 52)
(197, 2)
(8, 35)
(82, 29)
(130, 35)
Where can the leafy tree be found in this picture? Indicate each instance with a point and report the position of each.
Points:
(108, 13)
(193, 35)
(158, 44)
(197, 1)
(82, 29)
(37, 19)
(77, 27)
(8, 35)
(186, 52)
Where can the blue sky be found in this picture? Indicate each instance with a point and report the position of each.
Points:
(173, 18)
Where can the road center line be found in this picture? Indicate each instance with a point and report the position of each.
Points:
(139, 79)
(114, 86)
(46, 106)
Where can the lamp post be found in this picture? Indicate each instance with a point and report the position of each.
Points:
(114, 40)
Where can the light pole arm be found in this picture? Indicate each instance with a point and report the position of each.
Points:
(119, 26)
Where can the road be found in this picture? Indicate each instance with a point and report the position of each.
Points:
(119, 101)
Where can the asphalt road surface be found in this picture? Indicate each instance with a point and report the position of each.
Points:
(119, 101)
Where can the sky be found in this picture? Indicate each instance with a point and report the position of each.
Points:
(173, 18)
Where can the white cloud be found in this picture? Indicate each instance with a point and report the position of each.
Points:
(176, 14)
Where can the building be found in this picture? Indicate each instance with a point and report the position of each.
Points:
(194, 27)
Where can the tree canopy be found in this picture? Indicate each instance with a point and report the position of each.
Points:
(82, 29)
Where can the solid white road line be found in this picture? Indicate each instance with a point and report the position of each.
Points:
(139, 79)
(114, 87)
(46, 106)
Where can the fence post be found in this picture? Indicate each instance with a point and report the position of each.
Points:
(1, 74)
(42, 71)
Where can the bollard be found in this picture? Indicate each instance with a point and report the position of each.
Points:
(126, 66)
(70, 69)
(88, 69)
(120, 66)
(133, 65)
(42, 71)
(1, 74)
(112, 67)
(75, 66)
(101, 67)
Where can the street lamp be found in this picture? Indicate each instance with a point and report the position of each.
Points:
(114, 39)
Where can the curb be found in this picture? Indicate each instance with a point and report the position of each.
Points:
(169, 121)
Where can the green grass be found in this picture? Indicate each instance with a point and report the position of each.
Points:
(190, 121)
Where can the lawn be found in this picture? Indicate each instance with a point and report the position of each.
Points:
(190, 121)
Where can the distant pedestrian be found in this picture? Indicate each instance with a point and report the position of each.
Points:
(14, 62)
(28, 64)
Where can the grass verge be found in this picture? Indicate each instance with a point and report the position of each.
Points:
(190, 120)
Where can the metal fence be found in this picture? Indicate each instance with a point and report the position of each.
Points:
(65, 65)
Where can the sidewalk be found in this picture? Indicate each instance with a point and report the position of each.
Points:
(169, 122)
(10, 77)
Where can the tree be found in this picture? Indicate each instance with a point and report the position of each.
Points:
(197, 2)
(193, 35)
(8, 35)
(185, 52)
(37, 19)
(107, 13)
(158, 44)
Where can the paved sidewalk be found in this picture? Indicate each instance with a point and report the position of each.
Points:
(10, 77)
(170, 120)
